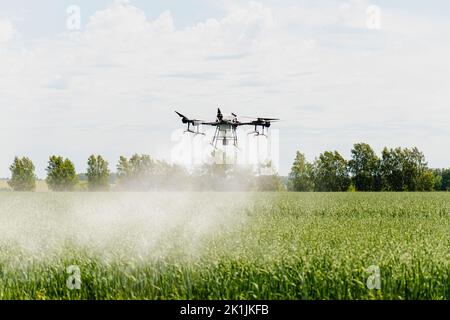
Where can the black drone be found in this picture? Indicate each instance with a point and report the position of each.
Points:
(226, 126)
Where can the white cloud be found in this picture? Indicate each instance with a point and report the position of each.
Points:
(112, 87)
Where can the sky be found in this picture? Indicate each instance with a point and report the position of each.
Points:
(335, 72)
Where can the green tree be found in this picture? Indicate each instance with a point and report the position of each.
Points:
(405, 170)
(415, 170)
(441, 179)
(437, 179)
(391, 168)
(123, 170)
(301, 177)
(61, 174)
(426, 181)
(364, 168)
(170, 176)
(445, 179)
(22, 175)
(97, 173)
(331, 173)
(271, 182)
(137, 172)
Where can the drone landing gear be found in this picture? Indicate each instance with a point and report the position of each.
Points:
(224, 138)
(197, 132)
(256, 132)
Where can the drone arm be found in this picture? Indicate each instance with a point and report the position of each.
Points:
(246, 124)
(207, 123)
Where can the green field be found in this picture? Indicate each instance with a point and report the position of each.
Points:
(224, 245)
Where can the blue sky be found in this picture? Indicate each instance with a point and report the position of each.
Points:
(111, 87)
(44, 18)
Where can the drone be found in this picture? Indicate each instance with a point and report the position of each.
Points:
(226, 126)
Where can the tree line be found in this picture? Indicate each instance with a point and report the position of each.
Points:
(61, 174)
(140, 172)
(396, 169)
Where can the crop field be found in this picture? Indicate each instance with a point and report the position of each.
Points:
(224, 245)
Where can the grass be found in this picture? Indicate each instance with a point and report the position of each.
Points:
(225, 245)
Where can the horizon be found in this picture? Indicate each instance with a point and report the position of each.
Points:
(113, 166)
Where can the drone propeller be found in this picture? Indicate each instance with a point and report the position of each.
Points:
(181, 116)
(186, 119)
(269, 119)
(261, 119)
(219, 114)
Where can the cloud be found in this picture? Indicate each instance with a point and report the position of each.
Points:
(313, 64)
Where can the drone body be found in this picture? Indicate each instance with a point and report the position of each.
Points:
(226, 126)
